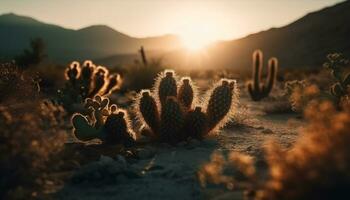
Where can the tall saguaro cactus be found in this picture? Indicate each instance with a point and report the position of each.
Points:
(256, 88)
(171, 112)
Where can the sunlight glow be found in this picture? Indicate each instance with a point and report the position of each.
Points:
(195, 38)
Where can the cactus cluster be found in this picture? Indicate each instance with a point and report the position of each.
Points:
(86, 81)
(256, 89)
(173, 113)
(105, 122)
(336, 63)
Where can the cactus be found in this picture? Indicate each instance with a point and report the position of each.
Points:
(186, 93)
(143, 56)
(166, 85)
(169, 112)
(171, 121)
(220, 102)
(84, 82)
(340, 89)
(196, 123)
(149, 110)
(104, 122)
(256, 89)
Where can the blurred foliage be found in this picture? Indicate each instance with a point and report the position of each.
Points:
(316, 167)
(29, 135)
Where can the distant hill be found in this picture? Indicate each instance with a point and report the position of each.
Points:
(303, 43)
(67, 44)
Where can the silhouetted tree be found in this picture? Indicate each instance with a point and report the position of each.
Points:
(33, 56)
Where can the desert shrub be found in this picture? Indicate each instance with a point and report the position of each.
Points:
(29, 136)
(301, 94)
(15, 85)
(86, 81)
(140, 76)
(173, 112)
(317, 166)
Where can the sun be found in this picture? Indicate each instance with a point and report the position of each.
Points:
(196, 38)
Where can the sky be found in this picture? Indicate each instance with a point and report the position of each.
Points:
(214, 19)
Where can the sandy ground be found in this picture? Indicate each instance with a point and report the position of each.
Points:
(167, 172)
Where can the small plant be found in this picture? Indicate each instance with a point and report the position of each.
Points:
(84, 82)
(256, 89)
(336, 63)
(172, 111)
(105, 122)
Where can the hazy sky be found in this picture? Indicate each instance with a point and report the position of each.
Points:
(219, 19)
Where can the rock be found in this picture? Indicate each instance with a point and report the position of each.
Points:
(106, 170)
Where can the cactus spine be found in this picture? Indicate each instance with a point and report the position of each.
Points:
(178, 120)
(256, 89)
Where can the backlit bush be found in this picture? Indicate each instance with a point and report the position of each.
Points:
(317, 166)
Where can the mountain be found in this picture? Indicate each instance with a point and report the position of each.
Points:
(68, 44)
(303, 43)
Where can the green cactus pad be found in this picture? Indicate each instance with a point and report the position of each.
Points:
(83, 130)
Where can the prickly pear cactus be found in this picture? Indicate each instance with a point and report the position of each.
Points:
(172, 119)
(104, 122)
(256, 88)
(86, 81)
